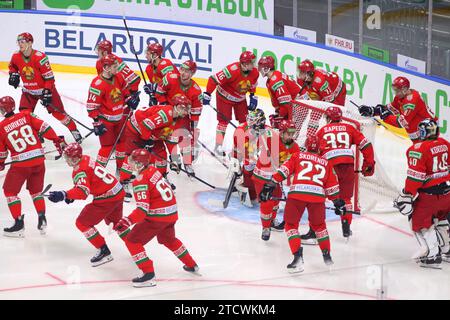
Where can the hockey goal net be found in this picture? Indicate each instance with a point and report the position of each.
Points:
(372, 194)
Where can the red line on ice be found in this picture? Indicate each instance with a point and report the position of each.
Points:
(388, 226)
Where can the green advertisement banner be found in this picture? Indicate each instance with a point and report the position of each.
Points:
(12, 4)
(375, 53)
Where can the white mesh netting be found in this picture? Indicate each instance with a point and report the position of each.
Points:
(374, 194)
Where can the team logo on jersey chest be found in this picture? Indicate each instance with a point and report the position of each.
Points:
(28, 72)
(116, 95)
(244, 86)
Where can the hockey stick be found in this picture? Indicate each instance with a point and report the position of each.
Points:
(69, 116)
(211, 153)
(132, 47)
(223, 116)
(118, 137)
(187, 173)
(329, 208)
(43, 193)
(230, 190)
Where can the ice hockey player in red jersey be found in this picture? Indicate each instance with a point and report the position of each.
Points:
(426, 195)
(232, 84)
(33, 68)
(320, 84)
(336, 140)
(153, 128)
(20, 135)
(103, 48)
(317, 84)
(106, 105)
(182, 83)
(156, 69)
(155, 216)
(282, 89)
(407, 109)
(247, 142)
(89, 177)
(277, 148)
(313, 181)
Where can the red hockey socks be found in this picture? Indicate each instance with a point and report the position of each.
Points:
(348, 206)
(92, 235)
(139, 256)
(103, 155)
(266, 213)
(323, 239)
(39, 203)
(180, 251)
(125, 170)
(120, 156)
(293, 236)
(14, 204)
(220, 133)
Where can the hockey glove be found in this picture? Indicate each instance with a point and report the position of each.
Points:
(404, 203)
(123, 224)
(382, 111)
(2, 166)
(57, 196)
(148, 144)
(99, 128)
(206, 98)
(266, 193)
(60, 144)
(133, 100)
(366, 111)
(47, 98)
(339, 207)
(150, 88)
(368, 168)
(14, 80)
(253, 103)
(175, 164)
(153, 101)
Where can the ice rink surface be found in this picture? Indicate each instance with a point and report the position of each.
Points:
(234, 262)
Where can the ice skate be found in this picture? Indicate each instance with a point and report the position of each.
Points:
(193, 269)
(146, 280)
(346, 232)
(327, 258)
(265, 235)
(42, 224)
(17, 230)
(296, 265)
(309, 238)
(77, 136)
(189, 170)
(277, 226)
(434, 262)
(446, 256)
(103, 256)
(128, 195)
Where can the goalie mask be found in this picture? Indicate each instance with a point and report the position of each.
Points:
(256, 119)
(428, 129)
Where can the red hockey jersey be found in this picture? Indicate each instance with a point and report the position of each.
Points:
(428, 164)
(282, 90)
(19, 134)
(171, 85)
(325, 86)
(106, 99)
(273, 154)
(314, 179)
(164, 67)
(408, 112)
(131, 78)
(155, 123)
(232, 84)
(35, 71)
(89, 177)
(336, 140)
(155, 199)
